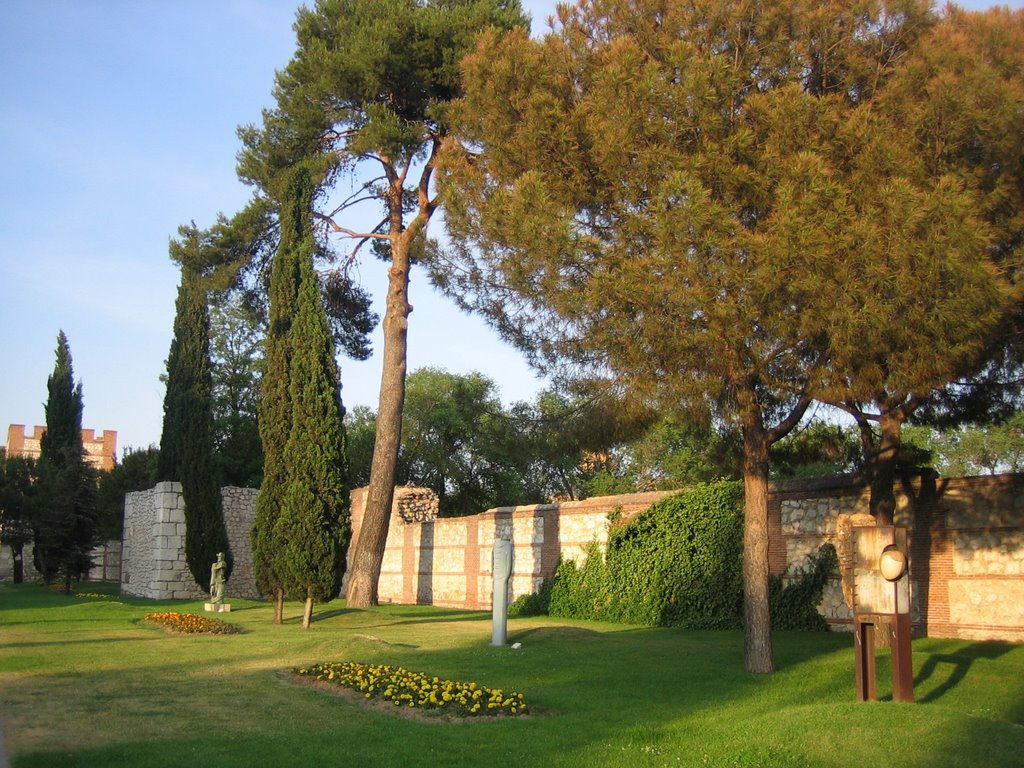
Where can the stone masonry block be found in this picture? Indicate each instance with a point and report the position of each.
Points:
(165, 529)
(167, 501)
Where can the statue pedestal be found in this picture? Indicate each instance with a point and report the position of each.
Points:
(218, 607)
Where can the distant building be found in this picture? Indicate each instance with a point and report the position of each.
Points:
(101, 451)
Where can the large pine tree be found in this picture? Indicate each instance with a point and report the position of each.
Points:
(186, 443)
(715, 204)
(64, 526)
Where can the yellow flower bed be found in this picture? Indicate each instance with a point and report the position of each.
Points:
(89, 594)
(191, 624)
(415, 689)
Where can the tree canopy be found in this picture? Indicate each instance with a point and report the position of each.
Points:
(364, 100)
(186, 442)
(721, 207)
(940, 326)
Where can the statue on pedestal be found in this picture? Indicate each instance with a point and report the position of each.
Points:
(217, 580)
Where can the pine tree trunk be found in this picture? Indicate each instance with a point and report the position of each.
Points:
(369, 551)
(886, 459)
(757, 626)
(279, 606)
(307, 613)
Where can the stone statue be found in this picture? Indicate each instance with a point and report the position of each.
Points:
(217, 580)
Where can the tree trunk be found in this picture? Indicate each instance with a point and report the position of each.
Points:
(18, 553)
(368, 555)
(882, 464)
(757, 625)
(307, 613)
(279, 606)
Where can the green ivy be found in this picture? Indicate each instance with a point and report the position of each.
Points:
(795, 606)
(679, 563)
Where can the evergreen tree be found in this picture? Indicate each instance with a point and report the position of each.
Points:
(236, 347)
(186, 443)
(721, 206)
(313, 527)
(64, 523)
(275, 412)
(136, 471)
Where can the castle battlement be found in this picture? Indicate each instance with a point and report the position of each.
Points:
(101, 450)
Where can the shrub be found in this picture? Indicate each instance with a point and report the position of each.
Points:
(679, 563)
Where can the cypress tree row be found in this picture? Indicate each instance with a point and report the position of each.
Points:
(275, 406)
(64, 528)
(186, 443)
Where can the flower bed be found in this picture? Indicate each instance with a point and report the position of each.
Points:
(415, 689)
(191, 624)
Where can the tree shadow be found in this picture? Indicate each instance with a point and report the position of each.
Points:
(959, 663)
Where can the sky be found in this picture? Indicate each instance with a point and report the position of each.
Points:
(117, 125)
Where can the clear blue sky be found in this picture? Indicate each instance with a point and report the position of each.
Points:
(118, 125)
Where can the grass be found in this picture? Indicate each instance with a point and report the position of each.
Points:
(84, 681)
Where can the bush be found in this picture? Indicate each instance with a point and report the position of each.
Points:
(679, 563)
(676, 564)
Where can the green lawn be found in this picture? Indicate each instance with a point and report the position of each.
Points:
(85, 682)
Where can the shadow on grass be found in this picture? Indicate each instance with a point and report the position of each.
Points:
(954, 667)
(58, 642)
(612, 696)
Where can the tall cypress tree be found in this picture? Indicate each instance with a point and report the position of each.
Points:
(313, 527)
(64, 528)
(186, 443)
(275, 406)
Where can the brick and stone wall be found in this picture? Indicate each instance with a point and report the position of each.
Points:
(966, 558)
(153, 560)
(966, 548)
(447, 561)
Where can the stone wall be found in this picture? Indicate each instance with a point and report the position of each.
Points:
(106, 559)
(966, 548)
(239, 505)
(447, 561)
(153, 561)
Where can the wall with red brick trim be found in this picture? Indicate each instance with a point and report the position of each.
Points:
(966, 551)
